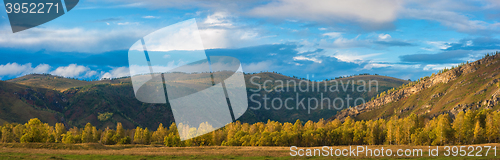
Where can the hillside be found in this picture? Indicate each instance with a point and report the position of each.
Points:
(20, 103)
(469, 86)
(56, 82)
(103, 103)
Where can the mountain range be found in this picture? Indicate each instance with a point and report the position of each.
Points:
(75, 102)
(468, 86)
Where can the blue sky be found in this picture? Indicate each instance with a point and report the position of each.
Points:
(404, 39)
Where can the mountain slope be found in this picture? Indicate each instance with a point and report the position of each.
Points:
(468, 86)
(56, 82)
(20, 103)
(105, 102)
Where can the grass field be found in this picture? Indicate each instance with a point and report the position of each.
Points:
(97, 151)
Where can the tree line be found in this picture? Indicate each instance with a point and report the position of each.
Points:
(471, 127)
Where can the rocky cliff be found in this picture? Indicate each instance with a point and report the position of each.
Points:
(438, 97)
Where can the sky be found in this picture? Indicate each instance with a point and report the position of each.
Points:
(319, 39)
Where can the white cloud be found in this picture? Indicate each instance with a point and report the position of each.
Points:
(306, 46)
(90, 74)
(439, 44)
(469, 43)
(322, 29)
(128, 23)
(72, 70)
(259, 66)
(150, 17)
(219, 19)
(370, 66)
(453, 20)
(361, 11)
(117, 73)
(333, 34)
(438, 66)
(219, 31)
(353, 57)
(71, 40)
(342, 42)
(303, 58)
(373, 64)
(384, 36)
(14, 69)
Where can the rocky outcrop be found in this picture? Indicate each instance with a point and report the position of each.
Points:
(426, 83)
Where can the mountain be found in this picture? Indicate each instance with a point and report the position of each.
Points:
(57, 82)
(105, 102)
(468, 86)
(19, 103)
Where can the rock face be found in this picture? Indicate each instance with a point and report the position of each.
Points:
(429, 82)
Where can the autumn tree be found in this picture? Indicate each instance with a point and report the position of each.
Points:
(36, 131)
(492, 127)
(87, 134)
(478, 133)
(138, 135)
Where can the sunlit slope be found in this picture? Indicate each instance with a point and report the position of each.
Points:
(56, 82)
(468, 86)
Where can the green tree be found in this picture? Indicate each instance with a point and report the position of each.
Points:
(7, 135)
(159, 135)
(87, 134)
(107, 136)
(146, 136)
(120, 132)
(68, 138)
(36, 131)
(138, 134)
(96, 134)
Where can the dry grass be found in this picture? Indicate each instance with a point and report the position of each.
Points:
(83, 151)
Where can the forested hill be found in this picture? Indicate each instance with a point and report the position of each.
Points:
(468, 86)
(103, 103)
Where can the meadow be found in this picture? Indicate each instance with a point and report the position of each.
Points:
(99, 151)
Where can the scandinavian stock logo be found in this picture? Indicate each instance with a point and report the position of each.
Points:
(170, 66)
(26, 14)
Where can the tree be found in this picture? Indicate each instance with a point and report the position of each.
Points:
(36, 132)
(68, 138)
(107, 136)
(159, 135)
(443, 130)
(59, 131)
(96, 134)
(87, 134)
(492, 127)
(359, 132)
(458, 126)
(146, 136)
(120, 132)
(469, 125)
(138, 135)
(7, 135)
(478, 133)
(390, 131)
(172, 140)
